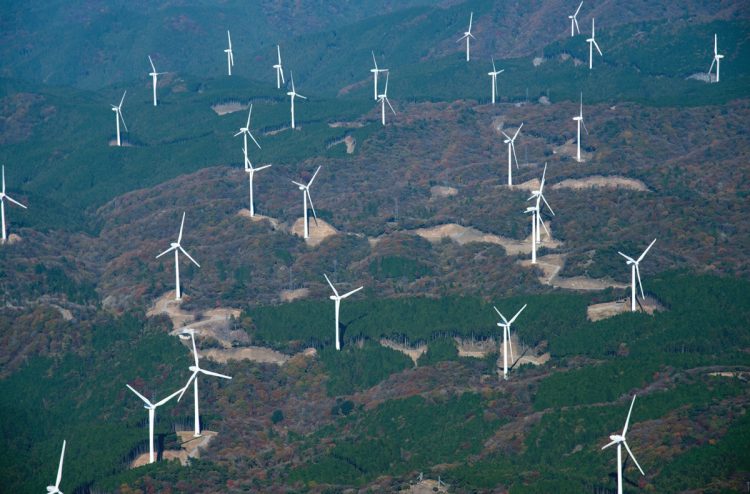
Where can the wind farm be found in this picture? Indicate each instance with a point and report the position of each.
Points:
(423, 384)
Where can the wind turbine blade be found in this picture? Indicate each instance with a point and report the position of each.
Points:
(253, 138)
(188, 256)
(215, 374)
(187, 384)
(609, 444)
(578, 9)
(331, 285)
(510, 346)
(315, 215)
(60, 466)
(250, 112)
(545, 227)
(517, 314)
(182, 224)
(300, 96)
(152, 63)
(389, 105)
(500, 314)
(626, 257)
(493, 65)
(238, 133)
(547, 204)
(513, 148)
(281, 72)
(298, 184)
(471, 21)
(168, 398)
(123, 98)
(166, 252)
(313, 178)
(597, 48)
(195, 350)
(262, 167)
(119, 112)
(583, 122)
(638, 275)
(578, 29)
(229, 39)
(352, 292)
(544, 176)
(3, 179)
(373, 59)
(712, 65)
(278, 52)
(15, 202)
(517, 131)
(647, 249)
(506, 135)
(291, 76)
(627, 420)
(633, 457)
(387, 76)
(143, 398)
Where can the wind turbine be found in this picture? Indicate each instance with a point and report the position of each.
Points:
(507, 345)
(716, 60)
(375, 72)
(251, 172)
(510, 141)
(293, 94)
(494, 74)
(154, 75)
(245, 131)
(579, 120)
(466, 36)
(194, 377)
(151, 407)
(592, 42)
(574, 21)
(307, 199)
(619, 440)
(636, 272)
(3, 198)
(337, 300)
(55, 489)
(534, 210)
(279, 69)
(384, 99)
(118, 116)
(230, 55)
(177, 247)
(539, 196)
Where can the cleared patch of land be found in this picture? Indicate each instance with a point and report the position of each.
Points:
(439, 191)
(289, 295)
(226, 108)
(412, 352)
(318, 231)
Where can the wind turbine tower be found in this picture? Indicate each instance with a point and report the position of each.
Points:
(635, 272)
(619, 440)
(507, 345)
(306, 199)
(510, 141)
(154, 75)
(293, 94)
(5, 197)
(467, 35)
(337, 301)
(494, 74)
(196, 368)
(118, 116)
(177, 248)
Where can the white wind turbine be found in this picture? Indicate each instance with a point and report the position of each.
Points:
(230, 55)
(194, 377)
(539, 196)
(579, 121)
(534, 210)
(494, 74)
(510, 141)
(177, 247)
(384, 99)
(293, 94)
(507, 346)
(619, 440)
(118, 116)
(375, 71)
(574, 21)
(245, 132)
(307, 199)
(251, 173)
(592, 43)
(55, 489)
(716, 60)
(636, 272)
(467, 35)
(154, 76)
(337, 300)
(279, 69)
(3, 198)
(151, 407)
